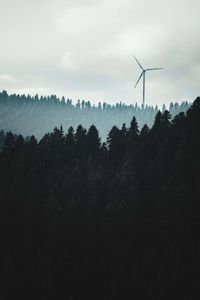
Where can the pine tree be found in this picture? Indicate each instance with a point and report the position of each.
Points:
(133, 131)
(93, 141)
(81, 140)
(157, 121)
(144, 131)
(70, 138)
(114, 142)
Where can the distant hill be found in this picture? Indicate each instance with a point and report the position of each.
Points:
(36, 115)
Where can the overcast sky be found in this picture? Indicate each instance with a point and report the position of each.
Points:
(84, 49)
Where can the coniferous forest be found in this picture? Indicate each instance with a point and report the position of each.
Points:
(81, 218)
(36, 116)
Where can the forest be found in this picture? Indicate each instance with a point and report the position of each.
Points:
(85, 218)
(28, 115)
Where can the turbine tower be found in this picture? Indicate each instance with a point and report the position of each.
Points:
(143, 74)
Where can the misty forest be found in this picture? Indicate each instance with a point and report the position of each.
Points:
(36, 116)
(98, 202)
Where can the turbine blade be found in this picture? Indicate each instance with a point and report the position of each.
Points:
(154, 69)
(138, 62)
(139, 78)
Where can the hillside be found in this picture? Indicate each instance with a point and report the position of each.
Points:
(28, 115)
(80, 219)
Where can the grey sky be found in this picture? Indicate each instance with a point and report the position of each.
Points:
(83, 49)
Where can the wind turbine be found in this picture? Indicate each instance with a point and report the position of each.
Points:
(143, 74)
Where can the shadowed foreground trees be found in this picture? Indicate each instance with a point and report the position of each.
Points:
(85, 220)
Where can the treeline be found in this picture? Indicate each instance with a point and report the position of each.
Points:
(81, 219)
(28, 115)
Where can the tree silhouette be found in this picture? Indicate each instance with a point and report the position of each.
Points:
(93, 141)
(85, 219)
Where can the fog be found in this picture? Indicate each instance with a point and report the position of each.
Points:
(40, 115)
